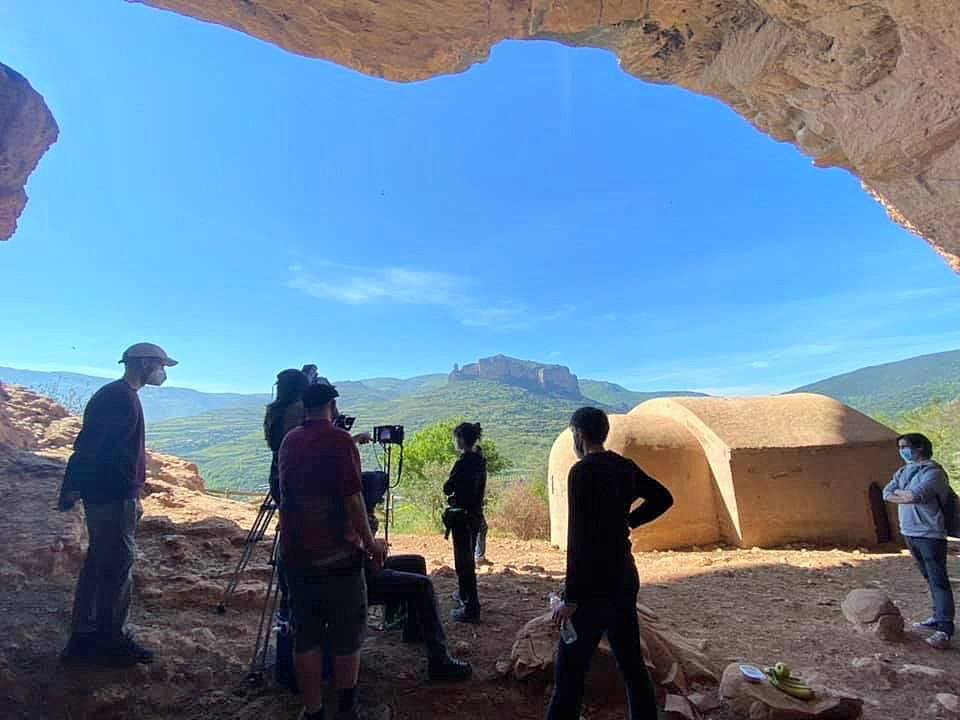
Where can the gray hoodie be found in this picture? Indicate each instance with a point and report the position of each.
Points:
(927, 481)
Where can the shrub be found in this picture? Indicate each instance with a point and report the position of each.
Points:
(522, 512)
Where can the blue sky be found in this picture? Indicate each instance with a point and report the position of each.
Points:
(252, 210)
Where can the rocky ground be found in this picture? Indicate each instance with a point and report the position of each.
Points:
(758, 606)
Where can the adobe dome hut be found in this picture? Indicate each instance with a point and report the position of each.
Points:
(749, 471)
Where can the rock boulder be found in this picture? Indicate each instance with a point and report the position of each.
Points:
(873, 611)
(675, 662)
(762, 701)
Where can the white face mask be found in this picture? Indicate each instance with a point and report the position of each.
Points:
(157, 377)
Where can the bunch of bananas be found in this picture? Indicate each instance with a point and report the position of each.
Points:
(782, 680)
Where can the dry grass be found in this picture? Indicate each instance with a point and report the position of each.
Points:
(522, 512)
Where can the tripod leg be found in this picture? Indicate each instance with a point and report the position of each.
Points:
(254, 535)
(258, 661)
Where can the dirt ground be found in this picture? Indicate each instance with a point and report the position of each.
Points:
(759, 606)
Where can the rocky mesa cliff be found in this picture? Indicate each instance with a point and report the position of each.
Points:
(553, 379)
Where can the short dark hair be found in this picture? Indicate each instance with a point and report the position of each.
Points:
(918, 441)
(592, 423)
(318, 395)
(468, 433)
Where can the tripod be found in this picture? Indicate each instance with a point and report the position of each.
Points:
(258, 660)
(388, 497)
(261, 524)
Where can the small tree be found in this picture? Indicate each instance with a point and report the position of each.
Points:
(427, 460)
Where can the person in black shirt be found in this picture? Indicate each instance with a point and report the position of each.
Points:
(107, 471)
(600, 592)
(281, 416)
(465, 490)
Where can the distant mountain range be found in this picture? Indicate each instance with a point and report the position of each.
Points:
(72, 390)
(895, 387)
(222, 432)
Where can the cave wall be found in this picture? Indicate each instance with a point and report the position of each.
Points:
(27, 129)
(871, 86)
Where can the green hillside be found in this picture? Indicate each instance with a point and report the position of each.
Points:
(229, 448)
(893, 388)
(396, 387)
(623, 400)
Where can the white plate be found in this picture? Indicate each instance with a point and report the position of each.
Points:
(752, 673)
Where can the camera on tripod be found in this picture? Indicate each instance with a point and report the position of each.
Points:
(388, 434)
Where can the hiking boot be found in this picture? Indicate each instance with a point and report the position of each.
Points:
(928, 624)
(81, 647)
(466, 614)
(939, 641)
(394, 617)
(481, 560)
(449, 669)
(126, 653)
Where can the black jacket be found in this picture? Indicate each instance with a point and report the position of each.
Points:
(467, 484)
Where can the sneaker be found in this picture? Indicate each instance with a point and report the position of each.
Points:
(939, 641)
(81, 647)
(928, 624)
(481, 560)
(127, 652)
(455, 596)
(466, 614)
(449, 669)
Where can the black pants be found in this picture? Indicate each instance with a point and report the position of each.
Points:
(464, 529)
(404, 579)
(931, 557)
(618, 619)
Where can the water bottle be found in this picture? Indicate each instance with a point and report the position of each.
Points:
(568, 633)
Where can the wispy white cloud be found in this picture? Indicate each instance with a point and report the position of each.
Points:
(361, 286)
(759, 364)
(915, 293)
(368, 285)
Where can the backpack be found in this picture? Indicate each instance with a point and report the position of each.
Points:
(951, 512)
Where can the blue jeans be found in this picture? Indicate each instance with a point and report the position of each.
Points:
(931, 557)
(481, 549)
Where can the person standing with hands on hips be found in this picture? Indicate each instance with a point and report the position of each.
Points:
(600, 590)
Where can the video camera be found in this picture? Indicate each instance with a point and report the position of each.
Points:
(345, 422)
(388, 434)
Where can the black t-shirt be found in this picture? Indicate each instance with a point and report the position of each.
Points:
(109, 454)
(601, 489)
